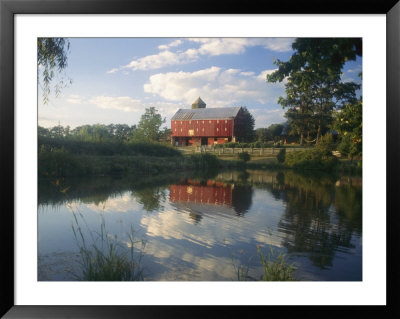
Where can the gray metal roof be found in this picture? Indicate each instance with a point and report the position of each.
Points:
(206, 114)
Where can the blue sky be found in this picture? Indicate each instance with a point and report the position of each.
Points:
(115, 79)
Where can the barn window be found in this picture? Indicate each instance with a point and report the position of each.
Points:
(217, 129)
(181, 130)
(203, 128)
(175, 129)
(217, 122)
(226, 121)
(197, 129)
(190, 122)
(197, 122)
(209, 122)
(225, 129)
(203, 122)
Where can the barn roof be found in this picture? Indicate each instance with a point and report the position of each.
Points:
(206, 114)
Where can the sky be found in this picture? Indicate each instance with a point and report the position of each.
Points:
(115, 79)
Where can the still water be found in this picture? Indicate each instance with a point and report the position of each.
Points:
(203, 228)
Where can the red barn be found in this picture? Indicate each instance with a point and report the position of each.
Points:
(202, 126)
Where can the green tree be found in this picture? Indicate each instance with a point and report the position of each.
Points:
(348, 123)
(122, 132)
(52, 57)
(149, 125)
(247, 133)
(328, 54)
(330, 94)
(42, 131)
(299, 101)
(314, 88)
(263, 135)
(275, 130)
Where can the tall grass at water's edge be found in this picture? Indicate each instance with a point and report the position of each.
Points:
(275, 268)
(103, 258)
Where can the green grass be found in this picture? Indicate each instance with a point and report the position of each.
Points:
(104, 258)
(275, 268)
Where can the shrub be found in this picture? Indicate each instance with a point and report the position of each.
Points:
(244, 156)
(311, 159)
(58, 163)
(281, 155)
(348, 147)
(204, 160)
(326, 144)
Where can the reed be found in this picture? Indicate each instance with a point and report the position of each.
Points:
(275, 268)
(104, 258)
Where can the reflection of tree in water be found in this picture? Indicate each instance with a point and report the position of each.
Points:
(150, 197)
(195, 217)
(309, 224)
(348, 203)
(242, 198)
(98, 189)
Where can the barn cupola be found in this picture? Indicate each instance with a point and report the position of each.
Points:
(199, 104)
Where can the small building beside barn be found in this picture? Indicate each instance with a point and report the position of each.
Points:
(206, 126)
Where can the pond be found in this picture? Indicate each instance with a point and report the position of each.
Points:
(206, 227)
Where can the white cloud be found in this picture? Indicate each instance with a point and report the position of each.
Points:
(357, 69)
(74, 99)
(170, 45)
(122, 103)
(218, 46)
(265, 118)
(217, 87)
(136, 106)
(208, 47)
(159, 60)
(247, 73)
(113, 70)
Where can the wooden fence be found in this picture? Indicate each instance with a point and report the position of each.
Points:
(273, 151)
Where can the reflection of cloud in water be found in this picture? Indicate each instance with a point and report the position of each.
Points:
(272, 239)
(168, 224)
(121, 204)
(182, 265)
(201, 251)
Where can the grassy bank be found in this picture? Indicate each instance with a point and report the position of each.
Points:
(306, 160)
(63, 164)
(72, 157)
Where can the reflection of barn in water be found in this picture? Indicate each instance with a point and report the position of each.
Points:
(210, 198)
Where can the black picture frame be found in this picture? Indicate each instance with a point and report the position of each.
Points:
(9, 8)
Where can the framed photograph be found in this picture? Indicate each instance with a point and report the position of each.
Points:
(175, 159)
